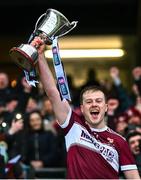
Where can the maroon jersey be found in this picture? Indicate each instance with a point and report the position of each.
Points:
(94, 153)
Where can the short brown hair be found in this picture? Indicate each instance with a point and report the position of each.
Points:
(94, 89)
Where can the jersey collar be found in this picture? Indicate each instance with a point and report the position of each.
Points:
(99, 130)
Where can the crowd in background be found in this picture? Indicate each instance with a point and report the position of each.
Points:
(29, 130)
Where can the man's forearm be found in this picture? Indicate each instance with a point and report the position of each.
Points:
(46, 76)
(132, 174)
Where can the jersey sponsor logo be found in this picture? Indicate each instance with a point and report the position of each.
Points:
(98, 146)
(111, 141)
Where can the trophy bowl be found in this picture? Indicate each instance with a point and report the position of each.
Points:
(25, 56)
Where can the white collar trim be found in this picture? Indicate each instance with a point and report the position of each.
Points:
(99, 130)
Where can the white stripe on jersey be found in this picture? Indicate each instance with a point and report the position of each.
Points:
(66, 123)
(80, 136)
(128, 167)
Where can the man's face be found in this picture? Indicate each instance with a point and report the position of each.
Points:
(134, 144)
(3, 81)
(113, 104)
(134, 120)
(48, 107)
(35, 121)
(94, 108)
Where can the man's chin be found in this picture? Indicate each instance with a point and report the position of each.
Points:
(95, 122)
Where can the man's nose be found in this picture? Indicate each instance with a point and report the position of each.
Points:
(137, 143)
(94, 103)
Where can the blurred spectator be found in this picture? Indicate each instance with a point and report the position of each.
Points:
(138, 128)
(42, 144)
(13, 142)
(136, 87)
(138, 104)
(134, 93)
(74, 91)
(2, 167)
(5, 89)
(16, 103)
(122, 94)
(135, 120)
(118, 101)
(47, 110)
(38, 93)
(5, 92)
(48, 115)
(112, 112)
(106, 83)
(91, 78)
(2, 158)
(134, 141)
(15, 138)
(136, 72)
(32, 105)
(50, 123)
(121, 125)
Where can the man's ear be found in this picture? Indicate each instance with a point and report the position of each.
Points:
(106, 108)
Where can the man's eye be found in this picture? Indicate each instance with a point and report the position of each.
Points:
(99, 100)
(88, 102)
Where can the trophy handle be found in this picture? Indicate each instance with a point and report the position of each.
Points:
(34, 32)
(73, 24)
(38, 21)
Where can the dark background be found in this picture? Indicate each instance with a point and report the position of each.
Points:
(18, 17)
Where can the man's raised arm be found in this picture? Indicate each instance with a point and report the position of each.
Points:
(61, 108)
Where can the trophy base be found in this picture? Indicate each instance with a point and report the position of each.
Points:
(22, 59)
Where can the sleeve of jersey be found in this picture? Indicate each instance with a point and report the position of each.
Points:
(71, 118)
(68, 122)
(126, 159)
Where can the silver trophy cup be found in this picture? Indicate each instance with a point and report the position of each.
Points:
(48, 26)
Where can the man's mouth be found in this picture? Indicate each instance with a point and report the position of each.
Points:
(137, 149)
(94, 113)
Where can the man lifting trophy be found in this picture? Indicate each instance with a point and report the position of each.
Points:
(49, 25)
